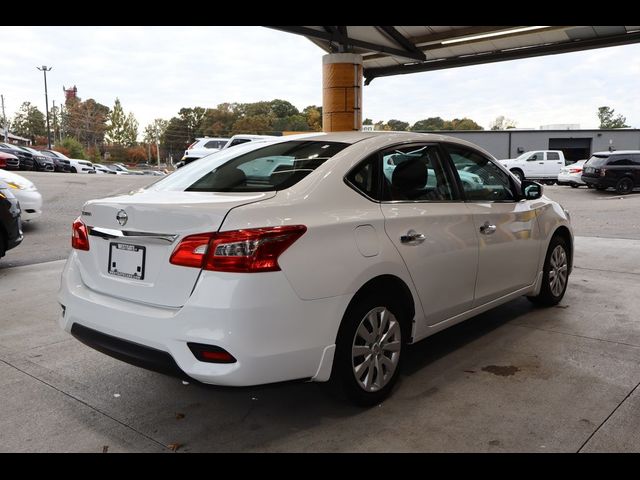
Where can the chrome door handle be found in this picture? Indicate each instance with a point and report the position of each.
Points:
(413, 238)
(487, 228)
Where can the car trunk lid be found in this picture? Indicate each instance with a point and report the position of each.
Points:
(131, 239)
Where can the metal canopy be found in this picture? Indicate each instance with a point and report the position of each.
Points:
(399, 50)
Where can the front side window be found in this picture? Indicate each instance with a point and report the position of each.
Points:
(415, 173)
(619, 161)
(481, 179)
(271, 168)
(537, 156)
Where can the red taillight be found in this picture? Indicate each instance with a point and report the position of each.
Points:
(79, 235)
(210, 353)
(191, 146)
(248, 251)
(575, 170)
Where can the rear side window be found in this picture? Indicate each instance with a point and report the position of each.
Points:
(553, 156)
(238, 141)
(274, 167)
(598, 160)
(365, 177)
(619, 161)
(215, 144)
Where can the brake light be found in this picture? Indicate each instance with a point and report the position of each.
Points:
(191, 146)
(79, 235)
(575, 170)
(248, 251)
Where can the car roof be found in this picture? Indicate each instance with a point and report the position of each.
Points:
(617, 152)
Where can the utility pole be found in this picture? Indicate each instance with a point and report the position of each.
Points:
(61, 121)
(44, 70)
(55, 123)
(4, 122)
(158, 147)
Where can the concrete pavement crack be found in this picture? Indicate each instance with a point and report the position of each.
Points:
(604, 270)
(576, 335)
(608, 417)
(129, 427)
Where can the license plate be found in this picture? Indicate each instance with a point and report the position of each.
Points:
(127, 260)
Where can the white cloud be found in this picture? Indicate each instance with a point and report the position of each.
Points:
(157, 70)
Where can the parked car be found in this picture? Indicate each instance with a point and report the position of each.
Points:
(536, 165)
(99, 168)
(9, 161)
(60, 163)
(76, 165)
(618, 169)
(41, 162)
(321, 268)
(203, 146)
(197, 153)
(26, 193)
(572, 174)
(10, 228)
(120, 169)
(26, 158)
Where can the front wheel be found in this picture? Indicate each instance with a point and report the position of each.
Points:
(73, 170)
(368, 349)
(555, 276)
(574, 185)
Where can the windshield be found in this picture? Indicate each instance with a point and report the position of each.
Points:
(598, 160)
(250, 169)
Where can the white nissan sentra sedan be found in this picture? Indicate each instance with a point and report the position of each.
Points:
(314, 258)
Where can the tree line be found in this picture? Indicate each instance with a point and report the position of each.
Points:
(91, 130)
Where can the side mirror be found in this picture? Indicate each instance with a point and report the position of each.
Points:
(531, 190)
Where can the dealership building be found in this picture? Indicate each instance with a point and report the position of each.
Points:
(576, 144)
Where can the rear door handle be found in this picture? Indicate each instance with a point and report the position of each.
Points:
(487, 228)
(413, 238)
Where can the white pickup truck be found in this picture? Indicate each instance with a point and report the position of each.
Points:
(536, 165)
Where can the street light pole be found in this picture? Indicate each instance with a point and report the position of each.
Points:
(44, 70)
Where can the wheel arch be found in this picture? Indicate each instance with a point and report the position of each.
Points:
(565, 234)
(393, 285)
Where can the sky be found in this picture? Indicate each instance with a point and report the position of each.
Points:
(155, 71)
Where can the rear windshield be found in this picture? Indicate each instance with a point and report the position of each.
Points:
(598, 160)
(270, 168)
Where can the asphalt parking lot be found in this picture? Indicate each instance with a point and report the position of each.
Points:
(514, 379)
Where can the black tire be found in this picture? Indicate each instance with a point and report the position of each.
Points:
(574, 185)
(589, 186)
(549, 182)
(547, 297)
(519, 174)
(3, 244)
(624, 186)
(343, 375)
(73, 170)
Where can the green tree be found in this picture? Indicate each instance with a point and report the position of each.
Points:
(122, 129)
(502, 123)
(283, 109)
(607, 120)
(313, 115)
(367, 121)
(256, 124)
(29, 122)
(176, 137)
(73, 146)
(398, 125)
(461, 124)
(192, 118)
(219, 121)
(431, 123)
(155, 129)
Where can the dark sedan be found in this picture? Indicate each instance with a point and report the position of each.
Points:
(41, 162)
(10, 229)
(26, 158)
(59, 164)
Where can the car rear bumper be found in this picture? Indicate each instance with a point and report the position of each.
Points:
(599, 181)
(569, 179)
(273, 334)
